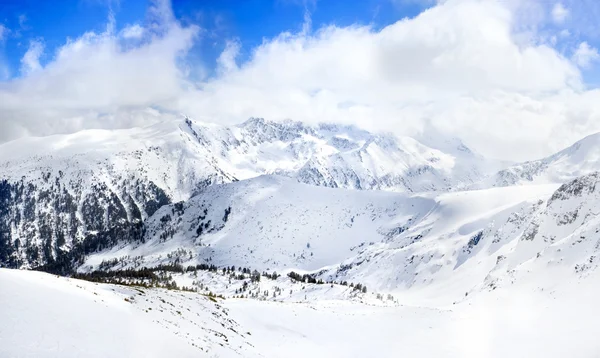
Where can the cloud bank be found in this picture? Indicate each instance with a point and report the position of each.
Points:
(480, 70)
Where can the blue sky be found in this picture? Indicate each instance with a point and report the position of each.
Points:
(491, 72)
(248, 21)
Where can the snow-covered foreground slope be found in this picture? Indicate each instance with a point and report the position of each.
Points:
(47, 316)
(511, 324)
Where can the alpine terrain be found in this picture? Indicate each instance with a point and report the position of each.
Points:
(271, 239)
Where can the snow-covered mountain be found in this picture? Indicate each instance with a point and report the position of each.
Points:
(392, 242)
(581, 158)
(65, 196)
(253, 195)
(283, 197)
(271, 222)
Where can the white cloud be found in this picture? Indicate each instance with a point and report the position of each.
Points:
(160, 18)
(96, 81)
(457, 56)
(584, 55)
(30, 62)
(559, 13)
(463, 66)
(133, 32)
(226, 61)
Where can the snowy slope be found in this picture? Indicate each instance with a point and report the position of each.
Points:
(411, 244)
(418, 245)
(566, 232)
(271, 222)
(47, 316)
(579, 159)
(453, 248)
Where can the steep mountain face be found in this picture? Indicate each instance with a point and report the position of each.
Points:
(66, 196)
(537, 235)
(566, 231)
(269, 222)
(344, 157)
(579, 159)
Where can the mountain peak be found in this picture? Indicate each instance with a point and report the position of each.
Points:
(585, 148)
(579, 159)
(252, 121)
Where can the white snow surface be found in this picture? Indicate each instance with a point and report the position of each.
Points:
(48, 316)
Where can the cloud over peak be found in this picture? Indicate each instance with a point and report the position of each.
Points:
(463, 66)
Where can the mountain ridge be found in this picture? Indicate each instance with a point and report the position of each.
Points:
(74, 199)
(86, 191)
(580, 158)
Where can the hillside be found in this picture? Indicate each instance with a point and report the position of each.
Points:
(271, 222)
(48, 316)
(457, 242)
(389, 241)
